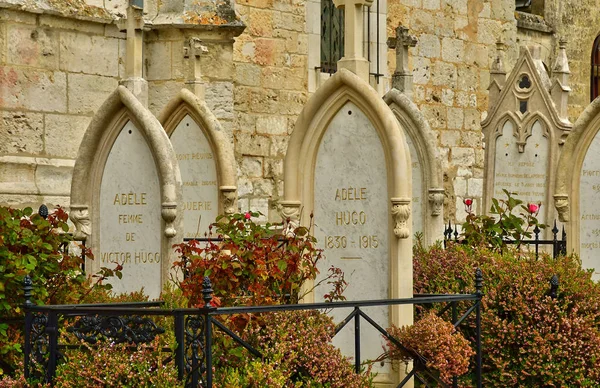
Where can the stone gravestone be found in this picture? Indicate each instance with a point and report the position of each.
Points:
(130, 219)
(427, 182)
(199, 178)
(524, 131)
(522, 167)
(125, 192)
(351, 218)
(589, 202)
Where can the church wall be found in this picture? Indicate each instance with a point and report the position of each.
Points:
(451, 73)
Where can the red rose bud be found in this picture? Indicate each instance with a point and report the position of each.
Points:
(468, 201)
(532, 208)
(247, 215)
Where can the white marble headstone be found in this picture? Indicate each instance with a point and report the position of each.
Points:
(199, 176)
(589, 205)
(524, 173)
(130, 214)
(351, 208)
(417, 210)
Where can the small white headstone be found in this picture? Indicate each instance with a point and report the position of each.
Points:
(199, 176)
(589, 203)
(130, 214)
(351, 208)
(524, 173)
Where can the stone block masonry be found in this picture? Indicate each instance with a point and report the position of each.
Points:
(54, 74)
(450, 65)
(270, 89)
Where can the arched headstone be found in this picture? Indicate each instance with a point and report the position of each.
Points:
(348, 163)
(206, 161)
(577, 197)
(428, 192)
(523, 133)
(124, 194)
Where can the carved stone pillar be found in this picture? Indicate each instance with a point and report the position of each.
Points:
(401, 214)
(436, 201)
(80, 216)
(229, 199)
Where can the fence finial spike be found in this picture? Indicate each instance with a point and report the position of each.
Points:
(43, 211)
(27, 288)
(207, 292)
(553, 287)
(478, 281)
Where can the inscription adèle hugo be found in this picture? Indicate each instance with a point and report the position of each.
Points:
(128, 220)
(351, 218)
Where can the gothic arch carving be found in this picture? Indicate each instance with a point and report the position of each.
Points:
(120, 108)
(523, 101)
(570, 164)
(187, 103)
(99, 137)
(418, 130)
(300, 170)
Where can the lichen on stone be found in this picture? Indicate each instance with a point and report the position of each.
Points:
(78, 9)
(211, 12)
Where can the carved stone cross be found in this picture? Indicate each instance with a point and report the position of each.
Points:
(354, 59)
(401, 43)
(133, 59)
(402, 77)
(193, 52)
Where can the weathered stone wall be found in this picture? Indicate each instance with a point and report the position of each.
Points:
(577, 21)
(451, 72)
(54, 74)
(270, 90)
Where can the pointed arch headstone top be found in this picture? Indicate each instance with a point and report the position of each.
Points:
(125, 192)
(427, 174)
(96, 142)
(206, 159)
(349, 167)
(523, 133)
(342, 87)
(577, 186)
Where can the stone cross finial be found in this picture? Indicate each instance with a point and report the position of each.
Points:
(560, 84)
(193, 52)
(401, 43)
(133, 60)
(402, 77)
(497, 73)
(354, 59)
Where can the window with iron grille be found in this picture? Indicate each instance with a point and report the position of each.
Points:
(595, 74)
(332, 36)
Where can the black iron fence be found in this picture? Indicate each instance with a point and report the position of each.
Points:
(558, 245)
(195, 330)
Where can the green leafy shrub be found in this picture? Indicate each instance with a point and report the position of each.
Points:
(254, 264)
(31, 245)
(509, 219)
(116, 366)
(298, 352)
(529, 339)
(446, 350)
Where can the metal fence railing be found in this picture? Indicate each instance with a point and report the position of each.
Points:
(195, 330)
(558, 245)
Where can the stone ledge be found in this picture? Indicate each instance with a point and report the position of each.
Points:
(532, 22)
(74, 9)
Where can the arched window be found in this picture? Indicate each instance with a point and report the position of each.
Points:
(332, 36)
(595, 74)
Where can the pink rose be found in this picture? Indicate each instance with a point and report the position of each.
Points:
(533, 208)
(247, 216)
